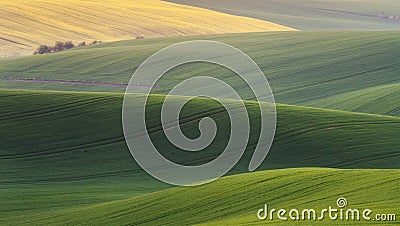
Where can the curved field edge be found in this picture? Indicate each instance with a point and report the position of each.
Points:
(26, 25)
(65, 150)
(303, 68)
(236, 199)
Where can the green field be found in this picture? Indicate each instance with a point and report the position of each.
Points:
(311, 14)
(303, 68)
(50, 171)
(64, 160)
(383, 100)
(235, 200)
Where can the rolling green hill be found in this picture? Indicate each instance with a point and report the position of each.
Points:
(236, 199)
(47, 169)
(303, 68)
(312, 14)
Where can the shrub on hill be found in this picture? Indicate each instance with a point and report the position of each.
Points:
(82, 44)
(60, 46)
(43, 49)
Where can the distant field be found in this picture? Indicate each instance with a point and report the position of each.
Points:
(378, 100)
(24, 25)
(319, 69)
(63, 170)
(313, 14)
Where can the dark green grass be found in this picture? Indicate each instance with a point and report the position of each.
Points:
(61, 151)
(309, 14)
(236, 199)
(303, 68)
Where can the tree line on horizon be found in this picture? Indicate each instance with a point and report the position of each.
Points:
(60, 46)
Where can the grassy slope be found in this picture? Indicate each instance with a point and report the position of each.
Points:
(382, 100)
(307, 14)
(303, 68)
(235, 200)
(25, 25)
(61, 170)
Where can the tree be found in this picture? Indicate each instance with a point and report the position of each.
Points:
(59, 46)
(82, 44)
(43, 49)
(68, 45)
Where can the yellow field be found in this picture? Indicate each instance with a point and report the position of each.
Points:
(25, 24)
